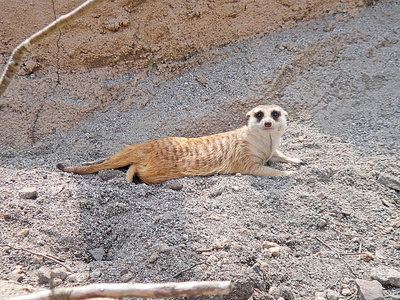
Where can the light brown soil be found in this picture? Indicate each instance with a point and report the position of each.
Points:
(131, 34)
(119, 38)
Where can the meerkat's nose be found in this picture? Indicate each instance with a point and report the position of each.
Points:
(267, 124)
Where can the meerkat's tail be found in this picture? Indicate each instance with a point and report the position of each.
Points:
(119, 160)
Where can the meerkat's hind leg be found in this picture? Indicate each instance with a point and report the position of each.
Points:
(267, 171)
(278, 156)
(131, 173)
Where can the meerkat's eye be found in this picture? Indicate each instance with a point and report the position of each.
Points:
(259, 115)
(275, 115)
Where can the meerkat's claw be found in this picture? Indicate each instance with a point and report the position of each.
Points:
(288, 173)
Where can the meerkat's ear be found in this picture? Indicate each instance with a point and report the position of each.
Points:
(247, 118)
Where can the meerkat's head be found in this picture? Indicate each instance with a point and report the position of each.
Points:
(267, 118)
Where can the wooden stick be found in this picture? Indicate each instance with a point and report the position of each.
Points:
(14, 61)
(144, 290)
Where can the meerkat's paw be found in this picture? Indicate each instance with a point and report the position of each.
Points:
(296, 160)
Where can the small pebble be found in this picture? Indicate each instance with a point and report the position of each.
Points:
(23, 232)
(216, 193)
(346, 213)
(28, 193)
(235, 188)
(97, 253)
(332, 295)
(127, 277)
(301, 139)
(43, 275)
(163, 248)
(15, 277)
(176, 186)
(225, 261)
(212, 259)
(319, 296)
(346, 292)
(36, 259)
(57, 282)
(95, 274)
(275, 251)
(221, 243)
(388, 230)
(215, 218)
(267, 245)
(154, 257)
(322, 223)
(367, 256)
(17, 270)
(245, 231)
(237, 246)
(78, 277)
(202, 80)
(60, 273)
(395, 224)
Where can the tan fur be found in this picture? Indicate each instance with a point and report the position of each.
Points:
(244, 150)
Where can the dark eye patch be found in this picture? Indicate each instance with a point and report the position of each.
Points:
(275, 115)
(259, 115)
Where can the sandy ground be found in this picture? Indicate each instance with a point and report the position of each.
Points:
(339, 80)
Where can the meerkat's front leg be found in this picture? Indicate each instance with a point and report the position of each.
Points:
(278, 156)
(267, 171)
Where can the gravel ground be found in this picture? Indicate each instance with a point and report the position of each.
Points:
(336, 219)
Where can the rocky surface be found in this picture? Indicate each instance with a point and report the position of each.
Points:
(335, 220)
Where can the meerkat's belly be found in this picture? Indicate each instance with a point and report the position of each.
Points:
(195, 156)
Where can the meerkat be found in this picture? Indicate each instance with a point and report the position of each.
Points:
(244, 150)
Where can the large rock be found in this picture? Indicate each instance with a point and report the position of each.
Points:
(369, 290)
(389, 181)
(387, 277)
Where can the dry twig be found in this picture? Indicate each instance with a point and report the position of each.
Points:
(189, 268)
(54, 259)
(338, 256)
(142, 290)
(14, 61)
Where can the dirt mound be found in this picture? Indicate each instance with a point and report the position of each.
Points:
(336, 219)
